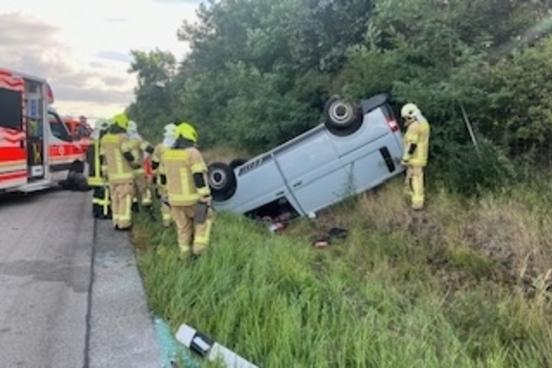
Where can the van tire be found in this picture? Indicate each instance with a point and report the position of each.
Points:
(237, 162)
(342, 116)
(222, 181)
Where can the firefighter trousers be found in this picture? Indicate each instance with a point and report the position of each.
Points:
(121, 204)
(415, 186)
(143, 191)
(100, 202)
(192, 237)
(164, 207)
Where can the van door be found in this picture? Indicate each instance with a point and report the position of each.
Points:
(34, 117)
(313, 171)
(372, 154)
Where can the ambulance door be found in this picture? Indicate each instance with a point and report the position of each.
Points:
(35, 111)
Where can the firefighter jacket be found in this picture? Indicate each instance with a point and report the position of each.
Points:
(185, 176)
(117, 158)
(416, 142)
(138, 147)
(95, 178)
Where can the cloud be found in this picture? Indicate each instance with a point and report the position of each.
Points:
(116, 20)
(115, 56)
(90, 94)
(30, 46)
(16, 30)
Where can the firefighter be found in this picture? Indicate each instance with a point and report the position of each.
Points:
(100, 197)
(188, 193)
(118, 163)
(141, 149)
(415, 153)
(169, 138)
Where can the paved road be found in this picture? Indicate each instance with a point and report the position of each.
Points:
(51, 314)
(45, 257)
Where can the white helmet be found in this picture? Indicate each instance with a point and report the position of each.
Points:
(169, 135)
(100, 127)
(132, 127)
(103, 124)
(411, 113)
(170, 130)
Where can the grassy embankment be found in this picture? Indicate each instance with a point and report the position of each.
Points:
(462, 284)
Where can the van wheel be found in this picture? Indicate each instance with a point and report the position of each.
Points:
(342, 117)
(237, 162)
(222, 181)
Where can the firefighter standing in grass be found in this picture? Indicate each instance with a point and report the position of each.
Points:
(189, 196)
(100, 197)
(140, 149)
(415, 153)
(169, 139)
(118, 163)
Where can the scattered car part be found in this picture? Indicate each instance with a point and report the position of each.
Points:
(209, 349)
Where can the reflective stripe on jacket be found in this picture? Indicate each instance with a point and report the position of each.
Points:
(118, 168)
(417, 133)
(180, 165)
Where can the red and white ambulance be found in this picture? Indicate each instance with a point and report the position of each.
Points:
(36, 148)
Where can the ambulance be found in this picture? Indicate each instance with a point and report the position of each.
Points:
(36, 148)
(80, 129)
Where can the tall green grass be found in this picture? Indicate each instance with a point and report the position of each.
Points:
(405, 294)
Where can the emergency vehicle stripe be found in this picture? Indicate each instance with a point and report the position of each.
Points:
(4, 168)
(3, 164)
(7, 183)
(65, 158)
(9, 179)
(8, 154)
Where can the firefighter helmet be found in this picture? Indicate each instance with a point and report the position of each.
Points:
(121, 120)
(132, 127)
(186, 131)
(410, 112)
(170, 130)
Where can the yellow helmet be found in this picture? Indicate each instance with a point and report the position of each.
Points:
(410, 112)
(186, 131)
(121, 120)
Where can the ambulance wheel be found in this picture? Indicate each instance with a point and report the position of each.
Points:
(342, 116)
(77, 167)
(222, 181)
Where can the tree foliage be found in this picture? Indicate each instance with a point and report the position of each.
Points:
(260, 71)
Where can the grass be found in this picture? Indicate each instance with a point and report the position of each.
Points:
(463, 284)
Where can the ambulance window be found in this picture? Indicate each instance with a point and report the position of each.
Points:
(10, 109)
(59, 130)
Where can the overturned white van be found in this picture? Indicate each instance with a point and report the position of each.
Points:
(358, 147)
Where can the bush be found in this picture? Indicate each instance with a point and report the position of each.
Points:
(462, 170)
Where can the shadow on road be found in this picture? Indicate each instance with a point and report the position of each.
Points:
(12, 198)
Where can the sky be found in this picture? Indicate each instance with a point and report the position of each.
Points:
(83, 47)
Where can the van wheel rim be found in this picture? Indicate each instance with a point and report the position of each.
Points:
(218, 178)
(341, 113)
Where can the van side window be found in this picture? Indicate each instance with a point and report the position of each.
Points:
(11, 109)
(59, 130)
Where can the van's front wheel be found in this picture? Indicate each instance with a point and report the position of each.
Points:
(222, 181)
(342, 117)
